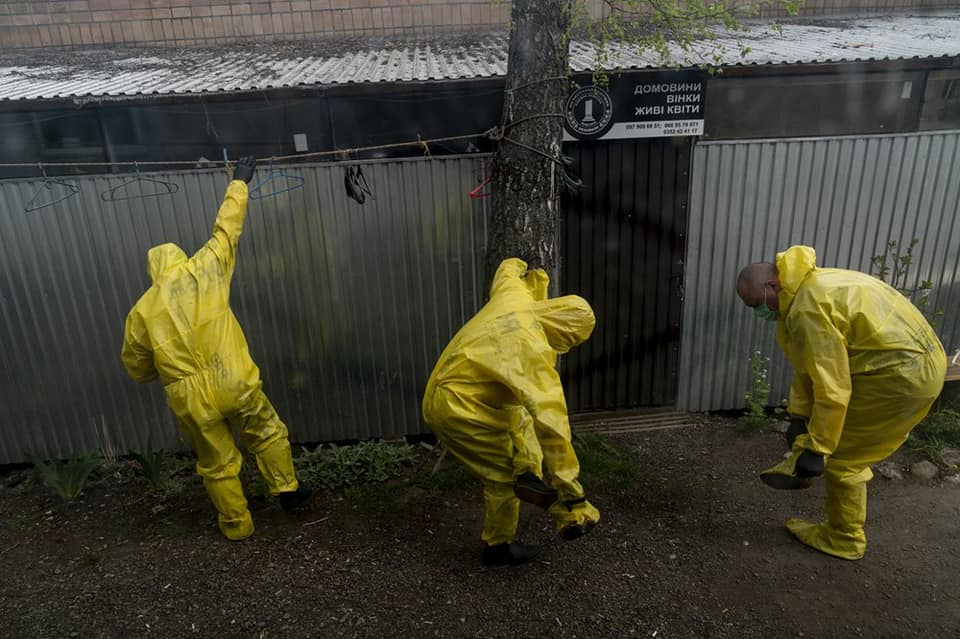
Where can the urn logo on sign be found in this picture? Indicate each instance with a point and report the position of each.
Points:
(589, 112)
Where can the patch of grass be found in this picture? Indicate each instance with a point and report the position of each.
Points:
(937, 431)
(336, 467)
(376, 498)
(943, 426)
(173, 527)
(89, 558)
(68, 478)
(931, 448)
(602, 465)
(451, 477)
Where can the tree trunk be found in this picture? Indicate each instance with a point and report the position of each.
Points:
(526, 210)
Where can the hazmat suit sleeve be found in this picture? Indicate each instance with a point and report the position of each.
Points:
(800, 403)
(136, 355)
(228, 226)
(820, 356)
(801, 388)
(528, 370)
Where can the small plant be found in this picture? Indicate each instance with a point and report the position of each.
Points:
(335, 466)
(68, 478)
(892, 265)
(152, 465)
(602, 465)
(757, 395)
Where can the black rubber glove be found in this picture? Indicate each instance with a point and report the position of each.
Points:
(798, 426)
(809, 464)
(245, 168)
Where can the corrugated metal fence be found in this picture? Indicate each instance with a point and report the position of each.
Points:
(346, 307)
(846, 197)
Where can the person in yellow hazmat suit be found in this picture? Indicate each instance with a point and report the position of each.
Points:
(867, 368)
(183, 332)
(495, 401)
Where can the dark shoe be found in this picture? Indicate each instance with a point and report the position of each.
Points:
(797, 427)
(294, 499)
(809, 464)
(533, 490)
(785, 482)
(512, 554)
(575, 531)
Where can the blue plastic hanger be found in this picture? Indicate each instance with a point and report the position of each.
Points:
(293, 182)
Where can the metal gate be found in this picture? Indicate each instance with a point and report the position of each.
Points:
(622, 247)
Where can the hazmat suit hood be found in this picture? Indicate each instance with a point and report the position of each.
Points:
(793, 266)
(162, 258)
(567, 321)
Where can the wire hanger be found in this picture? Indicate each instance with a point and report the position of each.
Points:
(32, 205)
(294, 182)
(111, 194)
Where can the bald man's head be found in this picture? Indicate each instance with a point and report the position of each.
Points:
(758, 283)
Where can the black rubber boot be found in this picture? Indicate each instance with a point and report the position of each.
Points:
(292, 500)
(576, 531)
(533, 490)
(512, 554)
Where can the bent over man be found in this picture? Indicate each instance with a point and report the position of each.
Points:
(495, 401)
(867, 368)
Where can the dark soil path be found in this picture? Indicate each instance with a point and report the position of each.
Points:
(695, 548)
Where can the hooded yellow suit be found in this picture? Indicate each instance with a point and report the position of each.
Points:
(495, 399)
(183, 332)
(867, 368)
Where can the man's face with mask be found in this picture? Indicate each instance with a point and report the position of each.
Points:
(763, 300)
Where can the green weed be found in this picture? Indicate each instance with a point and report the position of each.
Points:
(757, 395)
(154, 466)
(68, 478)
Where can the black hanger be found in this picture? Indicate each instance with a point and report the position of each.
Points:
(111, 195)
(32, 205)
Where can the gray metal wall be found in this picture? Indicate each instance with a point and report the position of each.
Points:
(345, 307)
(846, 197)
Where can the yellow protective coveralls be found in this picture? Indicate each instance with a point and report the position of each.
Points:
(183, 332)
(867, 368)
(495, 399)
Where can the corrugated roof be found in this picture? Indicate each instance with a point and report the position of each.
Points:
(117, 74)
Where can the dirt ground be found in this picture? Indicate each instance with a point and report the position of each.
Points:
(695, 548)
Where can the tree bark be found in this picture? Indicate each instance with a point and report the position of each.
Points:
(526, 210)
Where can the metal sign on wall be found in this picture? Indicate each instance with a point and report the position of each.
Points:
(637, 105)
